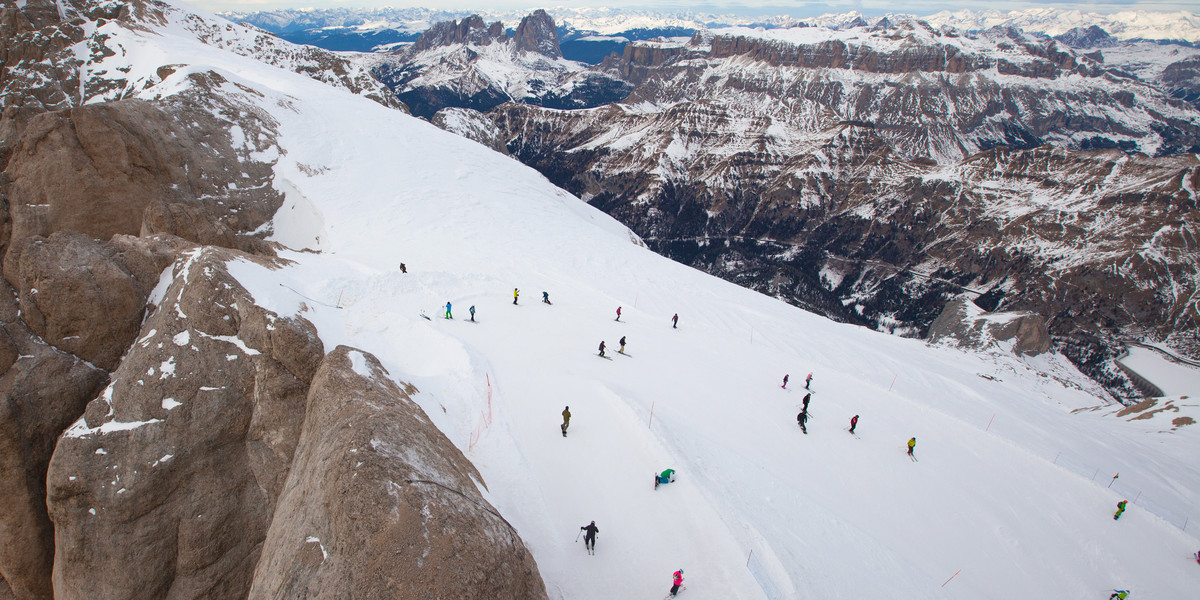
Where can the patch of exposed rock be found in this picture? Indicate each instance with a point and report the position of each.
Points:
(378, 503)
(968, 326)
(135, 167)
(42, 391)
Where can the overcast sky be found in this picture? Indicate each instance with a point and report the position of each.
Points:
(799, 9)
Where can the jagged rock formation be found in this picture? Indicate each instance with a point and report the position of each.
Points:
(468, 64)
(183, 401)
(874, 175)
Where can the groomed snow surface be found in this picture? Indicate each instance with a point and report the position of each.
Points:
(996, 507)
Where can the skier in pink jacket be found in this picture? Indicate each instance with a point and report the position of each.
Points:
(677, 581)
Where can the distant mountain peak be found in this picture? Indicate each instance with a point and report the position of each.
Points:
(537, 33)
(1087, 37)
(470, 30)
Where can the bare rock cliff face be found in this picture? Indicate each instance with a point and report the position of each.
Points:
(379, 504)
(537, 33)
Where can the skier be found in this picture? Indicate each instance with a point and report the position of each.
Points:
(1119, 595)
(403, 269)
(853, 423)
(589, 537)
(676, 581)
(472, 310)
(785, 378)
(802, 418)
(807, 380)
(807, 397)
(675, 321)
(912, 443)
(666, 476)
(448, 315)
(546, 297)
(622, 349)
(516, 293)
(618, 313)
(1120, 509)
(566, 419)
(602, 348)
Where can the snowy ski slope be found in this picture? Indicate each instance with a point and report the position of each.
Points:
(759, 509)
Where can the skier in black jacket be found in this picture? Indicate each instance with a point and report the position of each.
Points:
(589, 537)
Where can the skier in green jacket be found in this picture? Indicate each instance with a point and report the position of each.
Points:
(1120, 509)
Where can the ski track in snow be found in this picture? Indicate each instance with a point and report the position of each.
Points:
(759, 510)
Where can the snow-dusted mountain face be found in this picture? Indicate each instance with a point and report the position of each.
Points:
(469, 64)
(870, 173)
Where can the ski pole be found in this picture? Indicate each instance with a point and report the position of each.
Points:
(577, 536)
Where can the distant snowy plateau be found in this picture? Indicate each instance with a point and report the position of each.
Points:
(269, 330)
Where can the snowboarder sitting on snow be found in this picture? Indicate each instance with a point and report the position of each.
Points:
(676, 581)
(546, 297)
(1120, 509)
(566, 419)
(665, 477)
(589, 536)
(601, 348)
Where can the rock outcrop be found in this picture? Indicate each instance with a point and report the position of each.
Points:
(537, 33)
(968, 326)
(378, 503)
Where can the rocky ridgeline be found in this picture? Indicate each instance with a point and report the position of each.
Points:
(458, 64)
(873, 180)
(161, 435)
